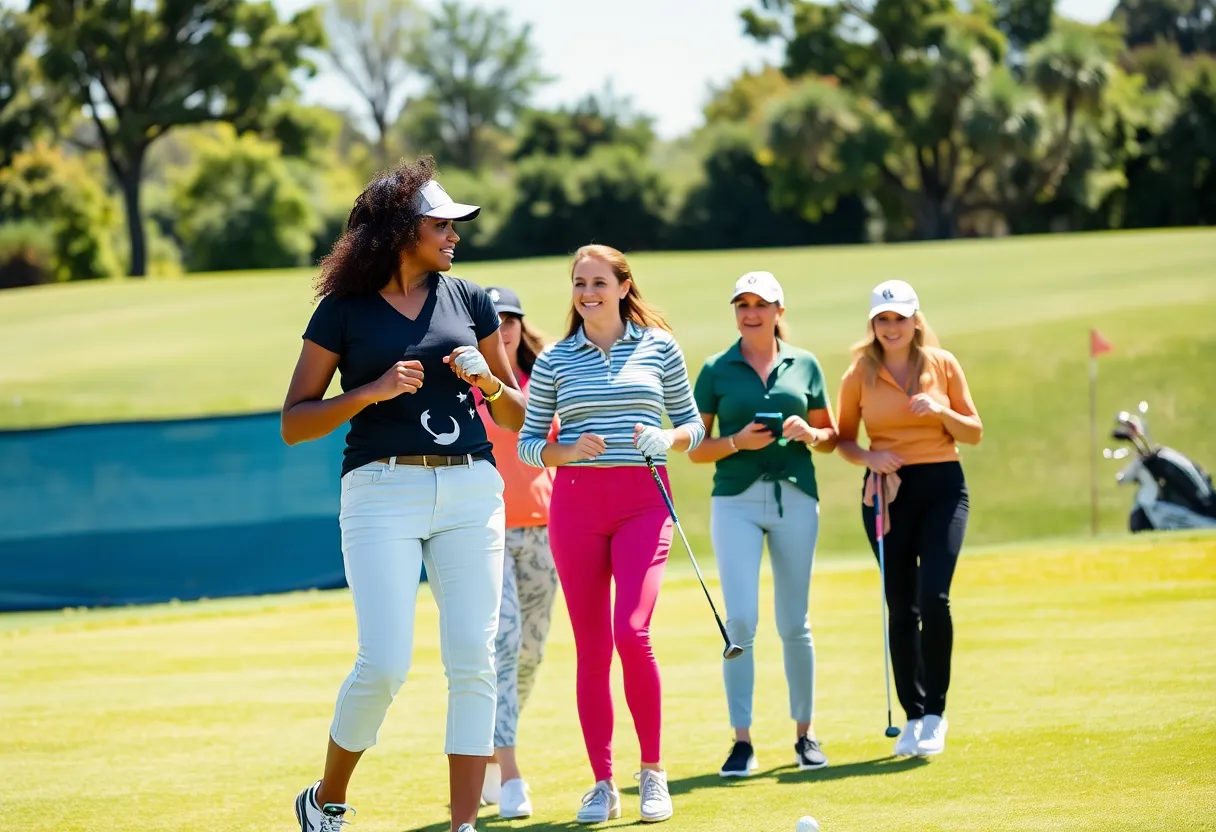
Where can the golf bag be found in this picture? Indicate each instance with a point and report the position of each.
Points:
(1174, 491)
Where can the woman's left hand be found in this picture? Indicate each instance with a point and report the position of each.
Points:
(470, 365)
(652, 441)
(796, 429)
(922, 404)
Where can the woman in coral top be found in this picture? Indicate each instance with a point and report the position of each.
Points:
(529, 578)
(913, 398)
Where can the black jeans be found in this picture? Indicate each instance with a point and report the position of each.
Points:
(928, 520)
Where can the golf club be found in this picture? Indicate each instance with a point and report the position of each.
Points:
(732, 651)
(879, 498)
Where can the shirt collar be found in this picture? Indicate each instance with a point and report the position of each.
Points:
(735, 353)
(633, 332)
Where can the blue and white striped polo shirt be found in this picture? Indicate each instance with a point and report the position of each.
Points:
(639, 378)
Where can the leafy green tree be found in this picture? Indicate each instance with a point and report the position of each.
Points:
(1191, 24)
(238, 207)
(479, 75)
(595, 120)
(1174, 181)
(62, 194)
(730, 207)
(613, 195)
(911, 102)
(141, 69)
(24, 109)
(370, 43)
(1023, 22)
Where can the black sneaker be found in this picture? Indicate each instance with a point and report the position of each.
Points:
(741, 762)
(808, 755)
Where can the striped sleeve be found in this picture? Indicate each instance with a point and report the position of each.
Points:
(677, 395)
(538, 418)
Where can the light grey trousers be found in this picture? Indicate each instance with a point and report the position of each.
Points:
(738, 526)
(529, 586)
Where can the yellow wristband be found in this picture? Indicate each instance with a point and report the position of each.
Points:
(497, 392)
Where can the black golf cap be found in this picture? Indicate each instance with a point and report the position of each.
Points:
(505, 300)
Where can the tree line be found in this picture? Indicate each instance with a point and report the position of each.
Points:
(170, 135)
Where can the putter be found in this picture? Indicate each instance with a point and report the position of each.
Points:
(879, 498)
(732, 651)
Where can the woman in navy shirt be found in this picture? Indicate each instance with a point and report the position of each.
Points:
(419, 484)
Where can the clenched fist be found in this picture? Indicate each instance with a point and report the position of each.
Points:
(587, 446)
(468, 364)
(402, 377)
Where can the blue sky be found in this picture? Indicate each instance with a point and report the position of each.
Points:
(661, 54)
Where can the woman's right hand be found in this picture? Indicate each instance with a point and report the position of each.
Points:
(753, 437)
(402, 377)
(587, 446)
(883, 462)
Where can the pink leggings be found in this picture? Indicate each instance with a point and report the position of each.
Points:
(611, 524)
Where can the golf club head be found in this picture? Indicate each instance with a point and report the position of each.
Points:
(892, 731)
(732, 651)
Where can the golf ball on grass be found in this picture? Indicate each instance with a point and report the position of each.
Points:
(807, 824)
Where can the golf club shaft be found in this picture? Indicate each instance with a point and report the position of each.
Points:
(671, 509)
(879, 516)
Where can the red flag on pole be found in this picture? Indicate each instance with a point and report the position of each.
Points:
(1098, 345)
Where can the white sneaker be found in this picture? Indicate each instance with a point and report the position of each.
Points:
(932, 736)
(464, 827)
(905, 746)
(656, 800)
(314, 818)
(491, 789)
(601, 803)
(514, 802)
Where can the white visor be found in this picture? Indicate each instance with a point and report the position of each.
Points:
(435, 202)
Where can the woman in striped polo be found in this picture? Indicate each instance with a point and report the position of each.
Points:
(610, 381)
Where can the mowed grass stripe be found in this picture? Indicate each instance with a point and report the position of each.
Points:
(1081, 697)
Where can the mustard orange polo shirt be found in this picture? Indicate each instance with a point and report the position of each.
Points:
(884, 409)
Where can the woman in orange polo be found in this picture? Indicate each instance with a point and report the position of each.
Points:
(529, 579)
(912, 397)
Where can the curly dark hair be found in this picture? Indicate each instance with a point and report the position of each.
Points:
(383, 223)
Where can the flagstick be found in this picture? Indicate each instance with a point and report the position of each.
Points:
(1093, 443)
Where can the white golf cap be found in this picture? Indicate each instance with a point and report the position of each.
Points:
(762, 284)
(894, 296)
(435, 202)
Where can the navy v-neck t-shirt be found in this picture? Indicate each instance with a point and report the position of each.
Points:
(370, 335)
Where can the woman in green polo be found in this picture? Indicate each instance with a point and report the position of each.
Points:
(772, 406)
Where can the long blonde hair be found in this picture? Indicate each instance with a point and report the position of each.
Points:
(868, 352)
(632, 307)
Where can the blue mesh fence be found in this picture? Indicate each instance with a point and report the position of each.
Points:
(144, 512)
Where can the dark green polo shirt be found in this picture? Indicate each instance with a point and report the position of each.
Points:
(731, 390)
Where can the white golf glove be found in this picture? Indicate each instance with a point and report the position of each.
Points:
(472, 363)
(653, 441)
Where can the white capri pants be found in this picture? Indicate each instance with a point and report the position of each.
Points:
(394, 519)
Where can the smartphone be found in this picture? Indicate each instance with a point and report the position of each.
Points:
(775, 423)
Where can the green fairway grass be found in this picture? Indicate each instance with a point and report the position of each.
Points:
(1081, 699)
(1016, 311)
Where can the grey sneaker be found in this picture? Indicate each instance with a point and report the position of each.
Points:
(314, 818)
(656, 800)
(808, 755)
(601, 803)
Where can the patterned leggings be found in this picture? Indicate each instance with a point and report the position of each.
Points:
(529, 585)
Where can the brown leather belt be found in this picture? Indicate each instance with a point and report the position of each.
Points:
(429, 460)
